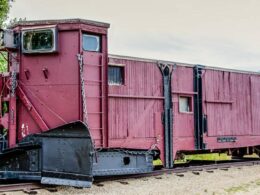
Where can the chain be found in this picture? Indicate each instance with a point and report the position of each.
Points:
(83, 92)
(84, 101)
(13, 83)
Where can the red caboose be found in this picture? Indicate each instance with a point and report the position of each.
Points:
(74, 112)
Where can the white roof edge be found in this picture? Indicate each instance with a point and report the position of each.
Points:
(115, 56)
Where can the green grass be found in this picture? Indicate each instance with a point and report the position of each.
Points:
(257, 182)
(3, 62)
(251, 156)
(157, 162)
(211, 156)
(240, 188)
(245, 187)
(204, 157)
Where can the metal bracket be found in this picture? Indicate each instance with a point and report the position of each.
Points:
(166, 71)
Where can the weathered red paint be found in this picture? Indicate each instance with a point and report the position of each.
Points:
(30, 108)
(135, 108)
(183, 124)
(231, 102)
(128, 115)
(56, 97)
(228, 96)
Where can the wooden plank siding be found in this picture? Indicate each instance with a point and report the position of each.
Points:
(230, 100)
(135, 108)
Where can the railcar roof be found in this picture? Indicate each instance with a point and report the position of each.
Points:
(63, 21)
(180, 64)
(107, 25)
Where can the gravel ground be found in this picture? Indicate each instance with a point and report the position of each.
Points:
(244, 180)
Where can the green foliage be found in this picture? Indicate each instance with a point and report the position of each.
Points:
(209, 157)
(4, 9)
(14, 21)
(203, 157)
(3, 62)
(4, 108)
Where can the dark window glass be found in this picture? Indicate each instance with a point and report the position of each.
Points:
(41, 40)
(91, 43)
(115, 75)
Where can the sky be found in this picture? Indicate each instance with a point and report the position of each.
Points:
(223, 33)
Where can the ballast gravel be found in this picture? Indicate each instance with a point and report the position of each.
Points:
(242, 180)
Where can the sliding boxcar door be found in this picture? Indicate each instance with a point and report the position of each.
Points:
(135, 105)
(183, 108)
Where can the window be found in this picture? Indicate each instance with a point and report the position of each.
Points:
(115, 75)
(185, 104)
(39, 40)
(91, 43)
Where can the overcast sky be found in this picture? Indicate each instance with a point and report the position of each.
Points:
(223, 33)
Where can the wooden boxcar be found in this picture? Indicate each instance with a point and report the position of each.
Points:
(212, 108)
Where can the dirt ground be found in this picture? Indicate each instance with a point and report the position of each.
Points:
(244, 180)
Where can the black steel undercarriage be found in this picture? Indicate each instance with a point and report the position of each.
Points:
(66, 156)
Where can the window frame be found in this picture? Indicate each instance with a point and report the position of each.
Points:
(54, 37)
(92, 35)
(123, 74)
(190, 102)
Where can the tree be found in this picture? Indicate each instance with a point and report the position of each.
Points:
(14, 21)
(3, 62)
(4, 9)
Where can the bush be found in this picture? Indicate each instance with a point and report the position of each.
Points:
(3, 62)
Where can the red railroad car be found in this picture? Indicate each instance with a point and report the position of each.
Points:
(70, 111)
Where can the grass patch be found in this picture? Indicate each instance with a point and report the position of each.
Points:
(157, 162)
(204, 157)
(254, 155)
(240, 188)
(257, 182)
(210, 157)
